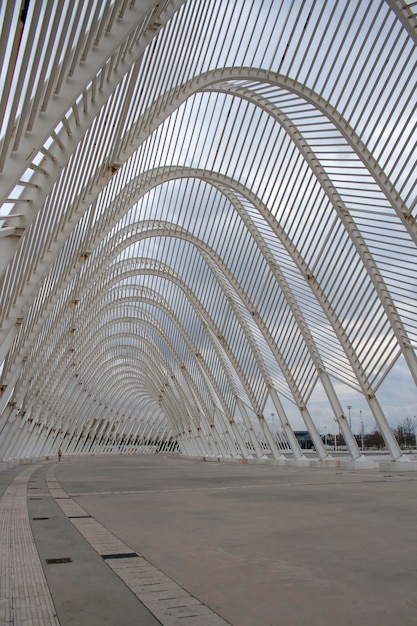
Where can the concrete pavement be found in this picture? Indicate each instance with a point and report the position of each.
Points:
(158, 539)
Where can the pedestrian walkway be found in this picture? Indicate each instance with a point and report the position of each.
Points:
(153, 539)
(24, 593)
(160, 594)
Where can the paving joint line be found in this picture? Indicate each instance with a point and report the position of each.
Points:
(77, 494)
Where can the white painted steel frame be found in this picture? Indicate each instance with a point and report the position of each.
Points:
(207, 207)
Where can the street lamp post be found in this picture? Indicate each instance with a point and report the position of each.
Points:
(350, 421)
(360, 413)
(415, 432)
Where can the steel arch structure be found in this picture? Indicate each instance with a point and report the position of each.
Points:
(208, 215)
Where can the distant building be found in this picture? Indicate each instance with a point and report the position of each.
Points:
(304, 439)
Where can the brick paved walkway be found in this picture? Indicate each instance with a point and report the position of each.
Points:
(24, 594)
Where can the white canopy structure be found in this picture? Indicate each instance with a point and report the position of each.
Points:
(208, 214)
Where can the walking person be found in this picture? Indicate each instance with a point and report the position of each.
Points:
(59, 454)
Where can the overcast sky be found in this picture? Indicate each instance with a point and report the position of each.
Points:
(397, 397)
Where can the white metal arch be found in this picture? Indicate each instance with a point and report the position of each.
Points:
(141, 322)
(187, 173)
(410, 352)
(343, 127)
(215, 178)
(117, 277)
(407, 352)
(159, 229)
(297, 139)
(138, 315)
